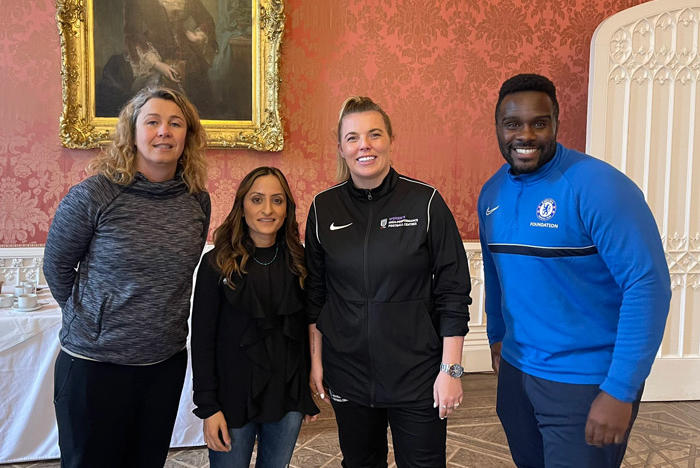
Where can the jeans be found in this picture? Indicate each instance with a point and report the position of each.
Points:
(275, 444)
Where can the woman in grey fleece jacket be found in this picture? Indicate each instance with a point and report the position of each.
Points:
(119, 260)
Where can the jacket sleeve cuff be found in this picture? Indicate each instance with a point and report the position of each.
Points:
(454, 326)
(203, 412)
(495, 339)
(312, 313)
(206, 404)
(619, 390)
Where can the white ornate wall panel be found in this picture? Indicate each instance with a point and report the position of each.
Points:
(19, 265)
(643, 118)
(477, 354)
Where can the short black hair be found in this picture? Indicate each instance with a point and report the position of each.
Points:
(528, 82)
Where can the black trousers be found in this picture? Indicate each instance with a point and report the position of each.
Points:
(111, 415)
(418, 435)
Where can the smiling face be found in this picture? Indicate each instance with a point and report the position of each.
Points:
(161, 130)
(265, 209)
(365, 145)
(527, 130)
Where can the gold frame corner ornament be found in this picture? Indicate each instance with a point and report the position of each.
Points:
(79, 127)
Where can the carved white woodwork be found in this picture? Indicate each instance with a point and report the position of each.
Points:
(18, 265)
(643, 118)
(477, 354)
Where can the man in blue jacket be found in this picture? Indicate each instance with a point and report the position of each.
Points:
(577, 289)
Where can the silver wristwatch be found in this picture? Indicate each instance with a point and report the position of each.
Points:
(453, 370)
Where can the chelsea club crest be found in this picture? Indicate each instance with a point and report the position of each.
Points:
(546, 209)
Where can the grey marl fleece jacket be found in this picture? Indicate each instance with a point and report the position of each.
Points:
(135, 248)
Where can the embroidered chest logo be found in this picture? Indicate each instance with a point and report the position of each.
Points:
(397, 222)
(335, 228)
(546, 209)
(491, 210)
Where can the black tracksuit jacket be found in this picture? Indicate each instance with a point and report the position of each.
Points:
(388, 278)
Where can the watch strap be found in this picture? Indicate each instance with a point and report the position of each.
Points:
(453, 370)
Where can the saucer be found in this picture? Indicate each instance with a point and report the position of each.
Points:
(27, 309)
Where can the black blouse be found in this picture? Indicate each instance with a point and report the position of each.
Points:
(250, 345)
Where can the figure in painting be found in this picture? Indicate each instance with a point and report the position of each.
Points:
(181, 44)
(171, 43)
(231, 72)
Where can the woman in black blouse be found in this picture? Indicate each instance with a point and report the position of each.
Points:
(249, 341)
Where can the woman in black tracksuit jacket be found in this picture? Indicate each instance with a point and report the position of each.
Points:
(388, 291)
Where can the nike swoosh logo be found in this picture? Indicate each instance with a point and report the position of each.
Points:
(491, 210)
(335, 228)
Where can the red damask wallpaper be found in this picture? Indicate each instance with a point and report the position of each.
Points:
(435, 66)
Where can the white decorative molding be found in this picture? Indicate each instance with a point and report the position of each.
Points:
(476, 356)
(649, 43)
(19, 265)
(653, 51)
(476, 263)
(657, 39)
(683, 258)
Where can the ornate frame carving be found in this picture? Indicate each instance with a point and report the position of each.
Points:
(81, 128)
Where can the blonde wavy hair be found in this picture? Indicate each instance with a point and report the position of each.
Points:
(118, 161)
(233, 246)
(352, 105)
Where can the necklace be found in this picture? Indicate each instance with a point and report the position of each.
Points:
(277, 248)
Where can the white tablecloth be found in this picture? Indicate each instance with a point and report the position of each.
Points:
(28, 349)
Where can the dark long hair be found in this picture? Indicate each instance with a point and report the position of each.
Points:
(233, 245)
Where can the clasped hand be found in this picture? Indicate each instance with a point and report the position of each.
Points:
(608, 420)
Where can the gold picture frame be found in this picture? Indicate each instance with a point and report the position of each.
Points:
(87, 123)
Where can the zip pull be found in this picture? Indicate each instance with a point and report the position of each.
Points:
(369, 195)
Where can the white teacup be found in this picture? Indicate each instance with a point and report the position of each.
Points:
(26, 301)
(6, 300)
(19, 290)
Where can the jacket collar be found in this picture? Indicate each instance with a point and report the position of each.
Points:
(166, 189)
(540, 173)
(385, 187)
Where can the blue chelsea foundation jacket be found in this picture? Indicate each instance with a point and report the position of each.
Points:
(577, 286)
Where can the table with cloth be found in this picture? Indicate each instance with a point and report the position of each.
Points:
(28, 349)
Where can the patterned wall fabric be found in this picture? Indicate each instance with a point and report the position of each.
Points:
(435, 66)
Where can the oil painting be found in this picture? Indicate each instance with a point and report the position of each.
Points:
(222, 54)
